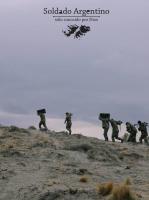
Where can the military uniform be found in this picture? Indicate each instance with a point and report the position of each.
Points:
(105, 126)
(42, 121)
(115, 130)
(133, 131)
(143, 129)
(68, 122)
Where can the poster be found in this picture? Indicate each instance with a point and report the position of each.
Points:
(82, 57)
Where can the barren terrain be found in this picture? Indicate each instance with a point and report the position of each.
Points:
(35, 165)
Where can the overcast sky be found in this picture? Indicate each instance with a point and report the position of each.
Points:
(105, 71)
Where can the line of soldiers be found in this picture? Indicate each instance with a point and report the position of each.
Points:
(106, 121)
(115, 130)
(67, 121)
(131, 129)
(142, 127)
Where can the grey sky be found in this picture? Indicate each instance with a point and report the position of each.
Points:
(105, 71)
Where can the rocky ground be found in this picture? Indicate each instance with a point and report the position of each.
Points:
(35, 165)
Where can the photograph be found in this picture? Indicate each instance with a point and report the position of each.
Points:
(74, 105)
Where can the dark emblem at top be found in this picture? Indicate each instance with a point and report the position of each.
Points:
(71, 30)
(77, 31)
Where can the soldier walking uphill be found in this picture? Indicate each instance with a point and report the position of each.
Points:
(105, 126)
(143, 129)
(68, 122)
(132, 130)
(115, 130)
(105, 117)
(42, 122)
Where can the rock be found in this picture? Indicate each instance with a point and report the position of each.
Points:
(32, 128)
(73, 190)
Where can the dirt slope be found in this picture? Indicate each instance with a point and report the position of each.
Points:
(48, 166)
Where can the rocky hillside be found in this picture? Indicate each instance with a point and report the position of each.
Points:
(36, 165)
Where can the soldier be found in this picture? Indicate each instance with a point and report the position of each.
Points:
(68, 122)
(143, 129)
(132, 130)
(105, 126)
(42, 121)
(115, 130)
(105, 117)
